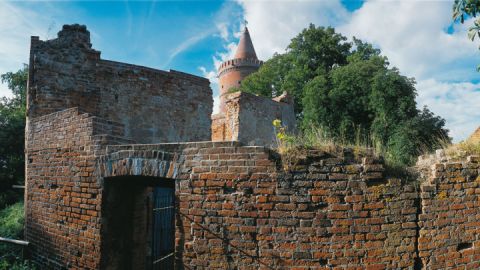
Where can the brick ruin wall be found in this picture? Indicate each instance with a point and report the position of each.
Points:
(152, 105)
(240, 210)
(62, 198)
(248, 118)
(236, 206)
(449, 216)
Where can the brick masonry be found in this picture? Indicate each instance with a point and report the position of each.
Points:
(153, 105)
(248, 118)
(242, 116)
(449, 220)
(236, 207)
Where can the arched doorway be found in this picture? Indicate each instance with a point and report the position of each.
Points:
(138, 225)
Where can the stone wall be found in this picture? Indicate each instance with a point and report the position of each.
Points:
(154, 106)
(248, 118)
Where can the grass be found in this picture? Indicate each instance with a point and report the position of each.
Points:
(462, 149)
(11, 220)
(11, 226)
(457, 151)
(294, 148)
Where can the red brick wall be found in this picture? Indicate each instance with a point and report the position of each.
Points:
(449, 221)
(153, 105)
(62, 195)
(475, 137)
(237, 209)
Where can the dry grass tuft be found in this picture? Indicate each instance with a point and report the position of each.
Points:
(461, 150)
(295, 148)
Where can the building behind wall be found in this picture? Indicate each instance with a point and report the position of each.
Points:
(243, 116)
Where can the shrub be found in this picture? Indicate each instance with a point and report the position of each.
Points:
(11, 226)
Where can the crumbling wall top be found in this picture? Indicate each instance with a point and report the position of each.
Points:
(75, 33)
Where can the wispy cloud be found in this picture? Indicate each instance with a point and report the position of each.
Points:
(16, 26)
(212, 76)
(151, 10)
(456, 102)
(188, 43)
(129, 18)
(227, 22)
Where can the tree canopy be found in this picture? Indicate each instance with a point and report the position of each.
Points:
(350, 90)
(12, 134)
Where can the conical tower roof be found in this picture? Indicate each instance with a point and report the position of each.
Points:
(245, 48)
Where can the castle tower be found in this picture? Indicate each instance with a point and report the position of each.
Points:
(232, 72)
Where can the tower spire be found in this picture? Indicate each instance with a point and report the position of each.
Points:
(245, 48)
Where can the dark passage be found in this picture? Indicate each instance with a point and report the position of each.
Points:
(138, 229)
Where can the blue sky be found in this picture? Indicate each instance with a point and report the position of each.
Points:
(164, 35)
(195, 36)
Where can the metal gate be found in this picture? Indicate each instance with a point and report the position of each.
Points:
(163, 228)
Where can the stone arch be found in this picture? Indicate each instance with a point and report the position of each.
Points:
(140, 163)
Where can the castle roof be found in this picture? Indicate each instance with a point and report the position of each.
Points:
(245, 48)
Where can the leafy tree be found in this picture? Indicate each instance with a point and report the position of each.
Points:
(349, 90)
(12, 130)
(463, 9)
(315, 51)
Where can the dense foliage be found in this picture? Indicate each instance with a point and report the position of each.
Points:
(350, 90)
(12, 130)
(11, 226)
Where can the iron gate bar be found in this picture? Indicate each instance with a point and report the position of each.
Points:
(163, 228)
(163, 258)
(163, 208)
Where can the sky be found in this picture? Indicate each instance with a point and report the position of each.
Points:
(418, 37)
